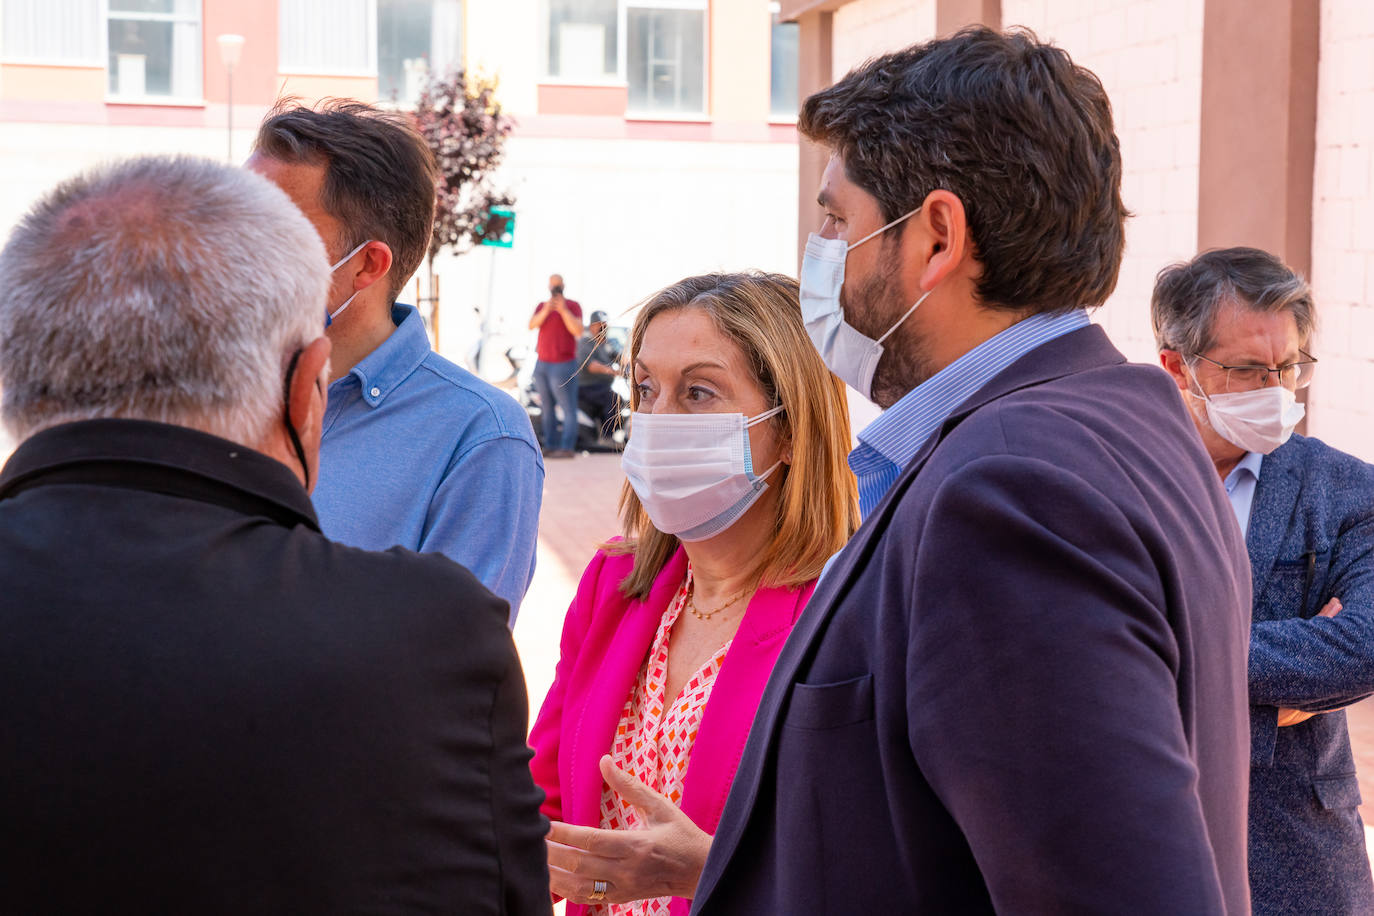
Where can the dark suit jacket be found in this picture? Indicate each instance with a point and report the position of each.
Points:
(210, 708)
(1311, 538)
(1021, 686)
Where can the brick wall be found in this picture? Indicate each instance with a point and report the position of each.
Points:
(1339, 407)
(1148, 54)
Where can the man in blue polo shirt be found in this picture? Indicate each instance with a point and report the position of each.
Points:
(416, 451)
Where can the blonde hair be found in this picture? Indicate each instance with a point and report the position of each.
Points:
(818, 504)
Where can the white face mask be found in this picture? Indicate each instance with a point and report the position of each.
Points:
(693, 472)
(847, 352)
(1257, 421)
(328, 315)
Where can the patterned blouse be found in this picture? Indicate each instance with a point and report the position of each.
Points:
(654, 740)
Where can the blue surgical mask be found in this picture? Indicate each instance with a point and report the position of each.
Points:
(846, 351)
(693, 473)
(328, 315)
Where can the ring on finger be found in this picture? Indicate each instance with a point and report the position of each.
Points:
(598, 891)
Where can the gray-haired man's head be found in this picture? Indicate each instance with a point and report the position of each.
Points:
(1233, 327)
(159, 288)
(1189, 296)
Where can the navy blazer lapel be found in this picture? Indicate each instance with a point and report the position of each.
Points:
(1076, 351)
(749, 774)
(1271, 512)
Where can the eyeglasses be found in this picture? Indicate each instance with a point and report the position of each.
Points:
(1292, 376)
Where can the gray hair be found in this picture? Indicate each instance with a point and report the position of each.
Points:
(166, 288)
(1188, 295)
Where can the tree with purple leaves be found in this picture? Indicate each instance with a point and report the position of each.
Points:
(461, 120)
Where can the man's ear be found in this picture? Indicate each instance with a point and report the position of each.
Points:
(300, 400)
(946, 237)
(376, 261)
(1172, 361)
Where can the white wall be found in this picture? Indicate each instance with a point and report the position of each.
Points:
(34, 157)
(621, 219)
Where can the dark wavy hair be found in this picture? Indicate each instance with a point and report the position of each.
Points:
(1013, 128)
(379, 174)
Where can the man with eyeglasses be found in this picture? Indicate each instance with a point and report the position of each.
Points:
(1233, 327)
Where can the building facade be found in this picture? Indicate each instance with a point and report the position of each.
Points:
(1242, 122)
(653, 138)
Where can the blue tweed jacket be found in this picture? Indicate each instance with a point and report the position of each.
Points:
(1311, 538)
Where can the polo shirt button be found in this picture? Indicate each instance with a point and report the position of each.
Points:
(376, 392)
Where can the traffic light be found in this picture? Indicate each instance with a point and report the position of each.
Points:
(499, 229)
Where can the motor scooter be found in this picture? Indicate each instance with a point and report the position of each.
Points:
(592, 434)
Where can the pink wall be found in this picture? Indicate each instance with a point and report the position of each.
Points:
(1343, 230)
(255, 78)
(35, 83)
(1148, 55)
(560, 99)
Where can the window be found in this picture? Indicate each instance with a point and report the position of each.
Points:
(154, 49)
(401, 42)
(51, 31)
(657, 48)
(786, 65)
(666, 59)
(329, 37)
(584, 40)
(416, 38)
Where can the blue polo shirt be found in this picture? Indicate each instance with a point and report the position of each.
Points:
(419, 452)
(888, 443)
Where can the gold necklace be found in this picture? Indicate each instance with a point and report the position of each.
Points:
(692, 604)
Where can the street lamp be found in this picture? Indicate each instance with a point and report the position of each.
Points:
(230, 49)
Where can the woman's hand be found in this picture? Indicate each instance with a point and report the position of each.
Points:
(663, 859)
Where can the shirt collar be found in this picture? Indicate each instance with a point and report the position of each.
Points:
(1250, 464)
(899, 432)
(379, 372)
(163, 457)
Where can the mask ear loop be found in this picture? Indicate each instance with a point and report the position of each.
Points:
(883, 229)
(1201, 394)
(905, 315)
(328, 315)
(290, 429)
(754, 421)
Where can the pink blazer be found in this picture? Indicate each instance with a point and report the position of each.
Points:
(606, 638)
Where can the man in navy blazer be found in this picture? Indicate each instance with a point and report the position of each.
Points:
(1021, 687)
(1233, 328)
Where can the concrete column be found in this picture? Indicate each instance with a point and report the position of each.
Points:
(1259, 120)
(1259, 127)
(815, 53)
(953, 15)
(739, 75)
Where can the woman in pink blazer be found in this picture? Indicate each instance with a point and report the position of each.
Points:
(737, 492)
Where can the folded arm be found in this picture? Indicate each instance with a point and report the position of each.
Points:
(1322, 663)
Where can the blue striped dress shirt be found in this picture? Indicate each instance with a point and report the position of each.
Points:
(1240, 488)
(892, 440)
